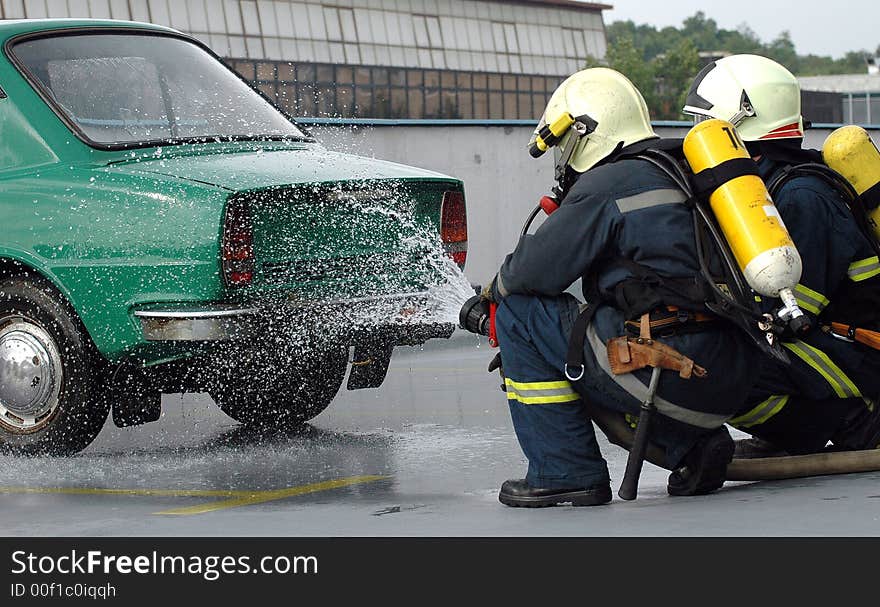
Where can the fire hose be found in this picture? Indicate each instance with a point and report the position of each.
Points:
(619, 433)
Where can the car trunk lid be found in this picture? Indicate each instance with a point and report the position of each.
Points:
(325, 225)
(349, 239)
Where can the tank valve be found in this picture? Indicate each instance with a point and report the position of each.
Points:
(791, 313)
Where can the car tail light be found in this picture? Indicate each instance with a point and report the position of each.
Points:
(453, 227)
(237, 255)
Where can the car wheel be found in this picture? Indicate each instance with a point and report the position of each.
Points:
(48, 402)
(283, 395)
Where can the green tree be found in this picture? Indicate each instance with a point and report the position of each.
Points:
(663, 80)
(661, 63)
(674, 72)
(854, 62)
(782, 51)
(628, 59)
(743, 40)
(702, 32)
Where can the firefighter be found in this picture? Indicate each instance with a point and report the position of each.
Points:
(830, 391)
(624, 228)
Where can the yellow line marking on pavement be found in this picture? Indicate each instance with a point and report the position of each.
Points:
(236, 498)
(260, 497)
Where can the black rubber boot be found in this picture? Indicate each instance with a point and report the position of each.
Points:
(861, 432)
(704, 467)
(519, 494)
(754, 448)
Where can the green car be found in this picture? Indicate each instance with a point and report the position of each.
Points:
(165, 228)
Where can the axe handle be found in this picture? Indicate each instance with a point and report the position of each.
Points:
(629, 488)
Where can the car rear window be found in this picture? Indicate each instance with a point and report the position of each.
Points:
(118, 88)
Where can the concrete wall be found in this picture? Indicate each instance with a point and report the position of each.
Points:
(502, 182)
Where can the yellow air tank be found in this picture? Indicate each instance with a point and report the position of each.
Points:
(850, 151)
(746, 214)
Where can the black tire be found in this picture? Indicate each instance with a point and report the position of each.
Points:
(35, 323)
(283, 395)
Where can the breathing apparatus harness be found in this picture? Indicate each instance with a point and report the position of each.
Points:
(720, 287)
(730, 298)
(645, 293)
(726, 295)
(837, 181)
(855, 304)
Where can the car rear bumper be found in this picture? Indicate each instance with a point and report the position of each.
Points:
(401, 319)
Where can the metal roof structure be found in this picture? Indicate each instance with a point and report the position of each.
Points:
(842, 83)
(431, 59)
(588, 6)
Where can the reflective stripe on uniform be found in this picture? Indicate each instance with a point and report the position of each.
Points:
(499, 284)
(631, 384)
(761, 413)
(649, 199)
(818, 360)
(864, 269)
(540, 392)
(810, 300)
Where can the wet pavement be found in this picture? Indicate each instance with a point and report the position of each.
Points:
(423, 455)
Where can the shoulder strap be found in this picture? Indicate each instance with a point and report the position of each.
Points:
(708, 180)
(812, 169)
(734, 299)
(839, 183)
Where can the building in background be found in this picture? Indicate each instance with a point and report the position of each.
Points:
(487, 59)
(856, 97)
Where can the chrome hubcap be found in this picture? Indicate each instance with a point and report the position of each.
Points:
(30, 374)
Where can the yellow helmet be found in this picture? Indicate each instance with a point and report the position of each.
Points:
(593, 113)
(758, 96)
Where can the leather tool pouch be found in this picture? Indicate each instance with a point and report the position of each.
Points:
(628, 354)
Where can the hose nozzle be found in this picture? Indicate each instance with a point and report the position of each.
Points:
(475, 316)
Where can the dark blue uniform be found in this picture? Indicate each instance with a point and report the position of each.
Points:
(627, 209)
(830, 383)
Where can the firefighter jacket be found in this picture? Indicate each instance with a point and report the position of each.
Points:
(629, 209)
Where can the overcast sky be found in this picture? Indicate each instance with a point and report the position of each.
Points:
(821, 27)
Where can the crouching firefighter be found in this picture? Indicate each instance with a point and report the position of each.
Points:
(829, 391)
(627, 229)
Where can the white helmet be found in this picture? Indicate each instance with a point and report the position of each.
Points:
(758, 96)
(593, 113)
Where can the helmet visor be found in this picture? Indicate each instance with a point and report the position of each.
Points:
(564, 150)
(558, 151)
